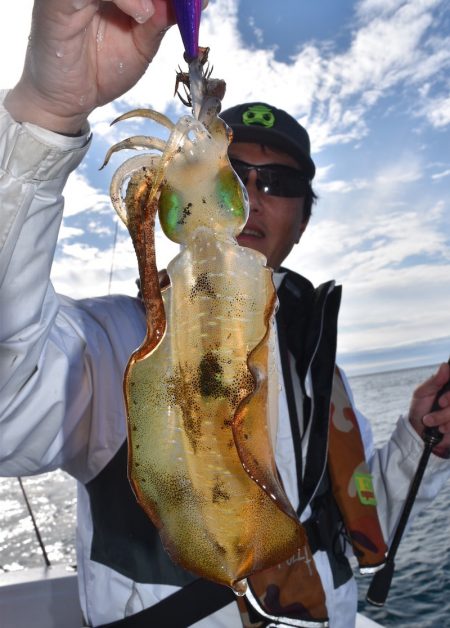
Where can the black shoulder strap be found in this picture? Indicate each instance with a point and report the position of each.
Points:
(194, 602)
(290, 397)
(310, 315)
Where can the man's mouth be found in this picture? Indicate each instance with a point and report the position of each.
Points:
(247, 232)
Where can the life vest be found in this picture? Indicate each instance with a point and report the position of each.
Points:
(293, 589)
(339, 487)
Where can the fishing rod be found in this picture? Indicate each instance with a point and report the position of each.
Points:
(36, 529)
(381, 582)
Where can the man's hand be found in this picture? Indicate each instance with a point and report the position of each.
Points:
(83, 54)
(422, 400)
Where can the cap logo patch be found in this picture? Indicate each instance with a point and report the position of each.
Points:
(259, 114)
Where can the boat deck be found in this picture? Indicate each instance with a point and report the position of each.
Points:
(48, 598)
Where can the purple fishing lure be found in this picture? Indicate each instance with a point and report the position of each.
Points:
(188, 14)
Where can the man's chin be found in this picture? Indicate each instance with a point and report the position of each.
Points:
(251, 242)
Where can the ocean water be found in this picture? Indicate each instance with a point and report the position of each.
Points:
(419, 594)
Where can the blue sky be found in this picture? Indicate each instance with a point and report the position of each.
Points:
(370, 81)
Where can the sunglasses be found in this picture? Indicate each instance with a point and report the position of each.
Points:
(273, 179)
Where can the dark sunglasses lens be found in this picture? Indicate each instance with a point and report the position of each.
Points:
(273, 179)
(241, 169)
(283, 181)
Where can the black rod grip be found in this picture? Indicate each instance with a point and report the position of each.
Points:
(380, 585)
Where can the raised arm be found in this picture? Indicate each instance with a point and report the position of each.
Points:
(83, 54)
(61, 362)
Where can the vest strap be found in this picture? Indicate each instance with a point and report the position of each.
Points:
(183, 608)
(290, 398)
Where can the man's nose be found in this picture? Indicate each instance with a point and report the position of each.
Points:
(252, 177)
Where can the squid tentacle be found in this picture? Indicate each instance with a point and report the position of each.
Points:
(146, 113)
(135, 142)
(126, 170)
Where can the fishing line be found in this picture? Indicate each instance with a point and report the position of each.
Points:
(36, 529)
(113, 256)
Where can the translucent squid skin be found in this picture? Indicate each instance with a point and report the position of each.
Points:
(202, 391)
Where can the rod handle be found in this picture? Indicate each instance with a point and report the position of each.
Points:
(380, 585)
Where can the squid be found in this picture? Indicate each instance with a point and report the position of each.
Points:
(201, 392)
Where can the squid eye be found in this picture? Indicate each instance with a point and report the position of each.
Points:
(231, 195)
(172, 214)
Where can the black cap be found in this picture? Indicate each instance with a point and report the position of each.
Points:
(265, 124)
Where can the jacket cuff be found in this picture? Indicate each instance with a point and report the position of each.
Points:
(31, 152)
(412, 445)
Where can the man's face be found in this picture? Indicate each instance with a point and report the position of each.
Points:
(275, 223)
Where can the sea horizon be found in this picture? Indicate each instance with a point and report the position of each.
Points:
(424, 353)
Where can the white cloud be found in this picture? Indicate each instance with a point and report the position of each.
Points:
(258, 33)
(441, 175)
(14, 29)
(388, 248)
(83, 270)
(391, 313)
(437, 112)
(406, 170)
(394, 266)
(369, 8)
(341, 186)
(67, 233)
(337, 89)
(80, 196)
(330, 92)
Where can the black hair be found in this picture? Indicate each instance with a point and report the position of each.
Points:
(310, 198)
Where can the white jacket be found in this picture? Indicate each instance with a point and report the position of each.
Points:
(61, 368)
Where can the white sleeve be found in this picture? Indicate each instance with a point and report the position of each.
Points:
(52, 350)
(393, 467)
